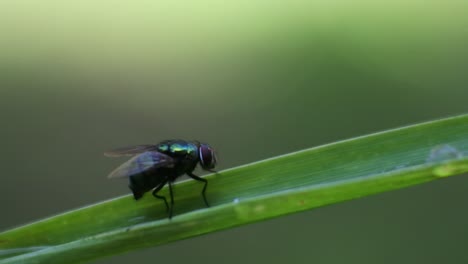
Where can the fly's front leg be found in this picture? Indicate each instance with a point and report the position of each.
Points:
(197, 178)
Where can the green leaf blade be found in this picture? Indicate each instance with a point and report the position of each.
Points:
(282, 185)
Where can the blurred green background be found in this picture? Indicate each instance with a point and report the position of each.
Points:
(255, 79)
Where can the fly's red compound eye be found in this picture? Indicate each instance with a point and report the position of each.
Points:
(207, 157)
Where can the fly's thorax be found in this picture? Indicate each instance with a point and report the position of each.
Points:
(179, 148)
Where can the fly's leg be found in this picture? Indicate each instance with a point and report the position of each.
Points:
(197, 178)
(157, 189)
(172, 199)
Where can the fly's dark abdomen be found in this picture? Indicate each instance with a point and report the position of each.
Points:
(144, 182)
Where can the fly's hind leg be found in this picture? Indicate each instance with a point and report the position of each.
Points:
(157, 189)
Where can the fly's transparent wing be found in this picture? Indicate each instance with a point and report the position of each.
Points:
(143, 162)
(129, 151)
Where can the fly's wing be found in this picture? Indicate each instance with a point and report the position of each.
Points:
(143, 162)
(129, 151)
